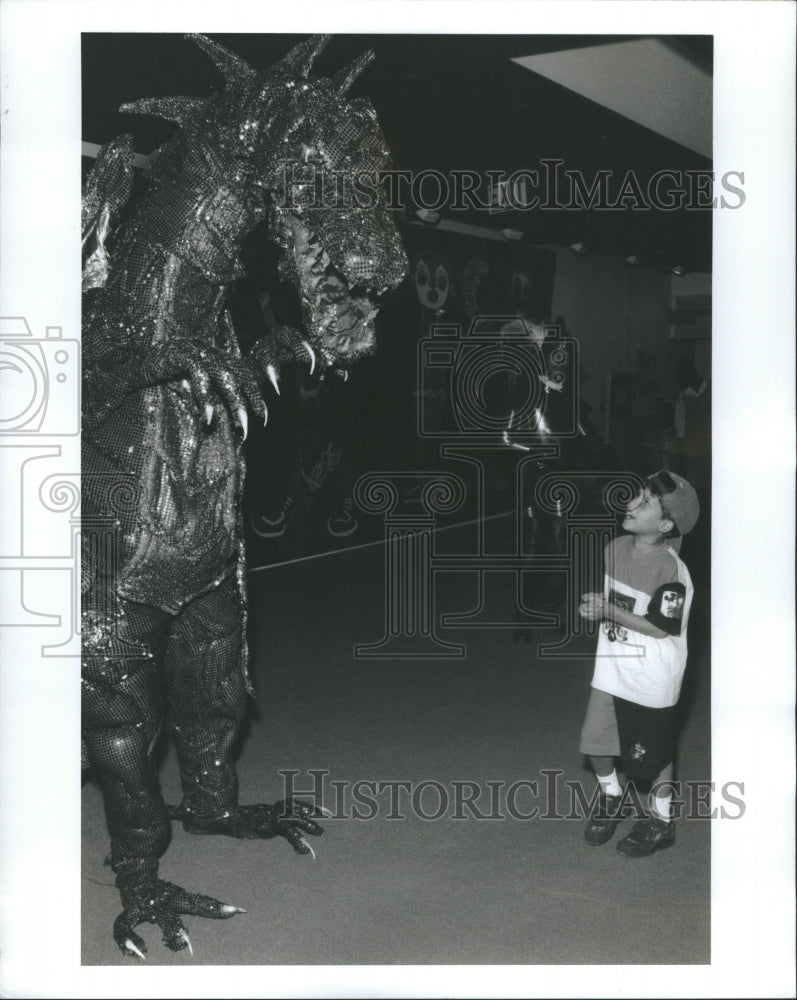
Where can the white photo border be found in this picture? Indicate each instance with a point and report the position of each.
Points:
(753, 489)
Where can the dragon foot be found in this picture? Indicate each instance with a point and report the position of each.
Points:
(289, 818)
(157, 902)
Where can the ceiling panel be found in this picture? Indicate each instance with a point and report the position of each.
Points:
(660, 86)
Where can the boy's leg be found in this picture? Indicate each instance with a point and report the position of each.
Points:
(606, 774)
(661, 794)
(657, 830)
(600, 742)
(654, 833)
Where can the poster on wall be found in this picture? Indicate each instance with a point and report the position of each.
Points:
(363, 467)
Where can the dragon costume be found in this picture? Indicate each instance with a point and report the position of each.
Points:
(165, 398)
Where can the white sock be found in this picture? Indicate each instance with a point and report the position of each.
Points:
(663, 807)
(610, 783)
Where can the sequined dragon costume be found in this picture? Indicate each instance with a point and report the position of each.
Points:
(165, 400)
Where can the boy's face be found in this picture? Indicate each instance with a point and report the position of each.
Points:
(644, 515)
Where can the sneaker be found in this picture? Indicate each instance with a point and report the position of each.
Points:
(272, 527)
(603, 822)
(648, 835)
(342, 522)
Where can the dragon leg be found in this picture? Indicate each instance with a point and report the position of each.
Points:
(123, 713)
(206, 693)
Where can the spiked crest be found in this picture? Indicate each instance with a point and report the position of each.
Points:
(237, 72)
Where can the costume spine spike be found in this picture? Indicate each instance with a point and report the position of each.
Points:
(342, 80)
(233, 68)
(173, 109)
(302, 56)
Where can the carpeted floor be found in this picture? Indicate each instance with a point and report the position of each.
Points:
(398, 887)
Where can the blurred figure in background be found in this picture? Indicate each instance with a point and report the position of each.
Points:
(690, 451)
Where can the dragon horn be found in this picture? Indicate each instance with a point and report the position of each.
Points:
(302, 56)
(173, 109)
(345, 77)
(233, 68)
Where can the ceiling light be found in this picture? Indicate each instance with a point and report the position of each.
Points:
(512, 234)
(579, 248)
(678, 270)
(632, 261)
(428, 216)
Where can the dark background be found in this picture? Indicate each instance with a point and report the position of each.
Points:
(445, 102)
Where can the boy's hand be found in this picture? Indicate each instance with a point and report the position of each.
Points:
(592, 607)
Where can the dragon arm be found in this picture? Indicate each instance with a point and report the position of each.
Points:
(112, 371)
(107, 189)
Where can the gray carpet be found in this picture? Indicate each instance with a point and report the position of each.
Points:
(412, 890)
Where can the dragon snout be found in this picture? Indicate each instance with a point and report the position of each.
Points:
(377, 268)
(360, 268)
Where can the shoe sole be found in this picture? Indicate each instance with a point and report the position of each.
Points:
(606, 836)
(645, 854)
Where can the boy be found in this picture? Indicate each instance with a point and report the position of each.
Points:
(640, 661)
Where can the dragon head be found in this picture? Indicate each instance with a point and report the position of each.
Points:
(284, 145)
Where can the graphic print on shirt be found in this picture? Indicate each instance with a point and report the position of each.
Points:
(666, 608)
(626, 603)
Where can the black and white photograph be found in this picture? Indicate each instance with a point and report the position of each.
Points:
(389, 414)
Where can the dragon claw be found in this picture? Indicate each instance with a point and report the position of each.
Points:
(243, 420)
(128, 946)
(157, 902)
(271, 371)
(208, 414)
(183, 936)
(311, 352)
(290, 819)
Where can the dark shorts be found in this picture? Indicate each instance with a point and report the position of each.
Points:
(642, 737)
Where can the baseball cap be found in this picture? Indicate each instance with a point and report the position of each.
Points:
(677, 496)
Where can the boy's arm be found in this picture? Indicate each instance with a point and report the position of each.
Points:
(596, 606)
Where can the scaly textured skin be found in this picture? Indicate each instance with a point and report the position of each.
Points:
(165, 399)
